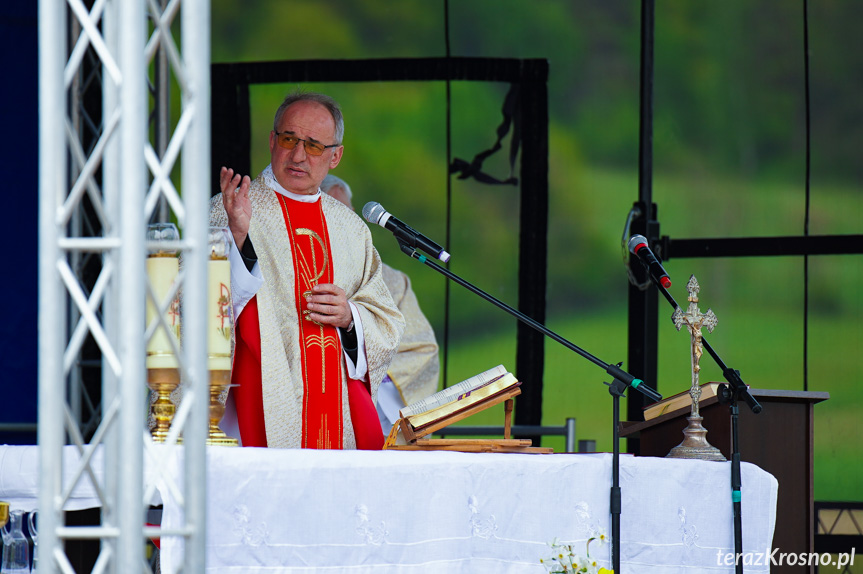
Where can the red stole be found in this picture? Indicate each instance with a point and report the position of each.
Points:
(320, 347)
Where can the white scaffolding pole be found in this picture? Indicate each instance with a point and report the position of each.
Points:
(111, 189)
(52, 299)
(132, 276)
(196, 191)
(112, 311)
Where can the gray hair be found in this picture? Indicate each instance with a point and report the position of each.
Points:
(326, 101)
(332, 180)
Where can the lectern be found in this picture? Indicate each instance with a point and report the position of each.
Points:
(778, 440)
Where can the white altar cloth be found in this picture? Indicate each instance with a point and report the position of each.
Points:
(19, 478)
(276, 511)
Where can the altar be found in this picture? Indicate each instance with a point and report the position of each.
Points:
(291, 511)
(275, 511)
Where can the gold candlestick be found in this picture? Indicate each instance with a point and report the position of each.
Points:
(162, 382)
(695, 443)
(220, 381)
(163, 375)
(219, 330)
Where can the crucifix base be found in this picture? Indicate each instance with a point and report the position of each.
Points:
(695, 443)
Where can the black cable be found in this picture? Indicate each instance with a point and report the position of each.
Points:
(808, 179)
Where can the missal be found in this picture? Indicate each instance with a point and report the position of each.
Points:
(678, 401)
(449, 394)
(473, 396)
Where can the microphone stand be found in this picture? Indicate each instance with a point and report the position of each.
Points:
(620, 381)
(728, 394)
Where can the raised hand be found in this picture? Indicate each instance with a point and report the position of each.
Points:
(235, 198)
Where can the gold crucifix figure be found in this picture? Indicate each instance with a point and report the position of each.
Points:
(694, 320)
(695, 443)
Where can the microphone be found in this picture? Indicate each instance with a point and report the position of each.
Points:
(374, 212)
(638, 247)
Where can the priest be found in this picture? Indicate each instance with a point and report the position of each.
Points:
(316, 326)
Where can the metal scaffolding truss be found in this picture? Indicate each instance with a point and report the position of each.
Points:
(101, 180)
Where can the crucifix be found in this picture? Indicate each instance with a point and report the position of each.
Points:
(695, 443)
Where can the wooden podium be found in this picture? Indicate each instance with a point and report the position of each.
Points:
(778, 440)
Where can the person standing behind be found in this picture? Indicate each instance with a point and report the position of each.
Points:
(414, 371)
(316, 326)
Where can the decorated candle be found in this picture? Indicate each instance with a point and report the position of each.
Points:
(219, 306)
(162, 269)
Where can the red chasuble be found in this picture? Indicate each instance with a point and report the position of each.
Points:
(319, 345)
(246, 374)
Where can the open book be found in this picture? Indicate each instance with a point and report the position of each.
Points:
(679, 401)
(454, 403)
(449, 394)
(465, 400)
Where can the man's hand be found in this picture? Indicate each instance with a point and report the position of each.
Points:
(235, 198)
(328, 305)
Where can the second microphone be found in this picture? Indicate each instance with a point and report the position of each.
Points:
(638, 247)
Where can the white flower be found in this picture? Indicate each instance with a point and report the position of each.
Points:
(564, 561)
(580, 563)
(601, 535)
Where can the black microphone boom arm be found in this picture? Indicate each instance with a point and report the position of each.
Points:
(613, 370)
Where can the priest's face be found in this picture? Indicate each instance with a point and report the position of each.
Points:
(297, 169)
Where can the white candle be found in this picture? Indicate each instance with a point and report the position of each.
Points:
(219, 311)
(162, 270)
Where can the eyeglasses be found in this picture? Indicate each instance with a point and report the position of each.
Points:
(288, 141)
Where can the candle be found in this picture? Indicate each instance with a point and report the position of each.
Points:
(219, 306)
(162, 269)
